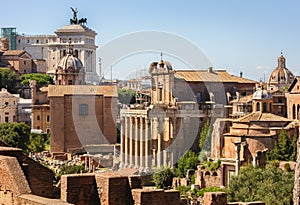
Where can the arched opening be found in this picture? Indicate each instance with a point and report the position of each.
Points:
(207, 173)
(264, 107)
(270, 107)
(215, 174)
(257, 106)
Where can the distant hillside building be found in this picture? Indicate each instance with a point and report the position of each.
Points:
(19, 60)
(13, 108)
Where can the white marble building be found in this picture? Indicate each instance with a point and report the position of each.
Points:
(52, 48)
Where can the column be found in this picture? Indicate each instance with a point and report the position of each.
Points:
(130, 142)
(136, 145)
(147, 147)
(122, 135)
(142, 140)
(237, 160)
(159, 139)
(166, 140)
(126, 141)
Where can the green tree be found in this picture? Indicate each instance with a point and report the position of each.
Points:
(188, 161)
(38, 142)
(163, 178)
(204, 141)
(126, 96)
(8, 79)
(70, 169)
(271, 185)
(41, 79)
(15, 134)
(284, 149)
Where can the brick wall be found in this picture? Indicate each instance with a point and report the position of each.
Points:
(113, 189)
(79, 189)
(155, 196)
(30, 199)
(40, 178)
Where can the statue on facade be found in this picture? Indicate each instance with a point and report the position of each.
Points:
(82, 21)
(74, 20)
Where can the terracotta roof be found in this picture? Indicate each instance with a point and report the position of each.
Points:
(61, 90)
(13, 52)
(245, 99)
(214, 76)
(262, 117)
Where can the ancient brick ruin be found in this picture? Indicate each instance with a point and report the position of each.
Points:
(24, 181)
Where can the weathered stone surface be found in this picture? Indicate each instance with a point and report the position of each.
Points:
(215, 198)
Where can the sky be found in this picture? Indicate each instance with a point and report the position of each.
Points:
(239, 36)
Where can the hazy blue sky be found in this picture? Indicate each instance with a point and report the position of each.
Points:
(236, 35)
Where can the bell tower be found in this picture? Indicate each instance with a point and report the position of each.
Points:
(162, 76)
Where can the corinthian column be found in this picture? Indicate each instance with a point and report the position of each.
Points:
(136, 145)
(130, 142)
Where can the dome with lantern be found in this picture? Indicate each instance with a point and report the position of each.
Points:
(70, 62)
(281, 76)
(69, 70)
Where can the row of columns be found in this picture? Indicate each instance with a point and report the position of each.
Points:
(135, 143)
(143, 142)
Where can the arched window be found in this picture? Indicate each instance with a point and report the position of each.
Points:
(264, 107)
(257, 106)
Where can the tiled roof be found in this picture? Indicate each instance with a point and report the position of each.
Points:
(214, 76)
(61, 90)
(262, 117)
(245, 99)
(13, 52)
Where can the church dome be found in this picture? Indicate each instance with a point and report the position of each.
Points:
(261, 95)
(281, 76)
(69, 61)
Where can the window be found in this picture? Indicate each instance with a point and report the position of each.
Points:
(70, 82)
(38, 127)
(48, 118)
(6, 119)
(28, 41)
(24, 62)
(19, 41)
(37, 41)
(48, 130)
(38, 117)
(83, 109)
(199, 96)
